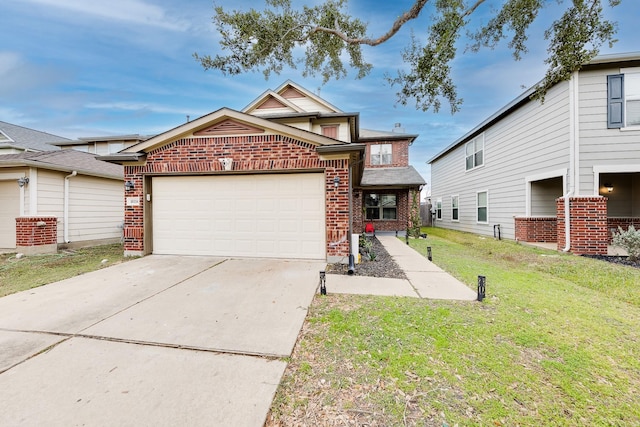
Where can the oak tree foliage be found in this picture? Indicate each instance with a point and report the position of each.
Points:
(325, 39)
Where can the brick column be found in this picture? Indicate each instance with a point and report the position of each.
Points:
(37, 234)
(589, 230)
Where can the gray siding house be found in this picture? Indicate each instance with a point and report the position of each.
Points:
(517, 170)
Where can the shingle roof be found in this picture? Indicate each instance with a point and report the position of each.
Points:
(65, 160)
(28, 139)
(391, 177)
(380, 134)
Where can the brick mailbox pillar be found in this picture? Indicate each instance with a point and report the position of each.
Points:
(37, 234)
(589, 231)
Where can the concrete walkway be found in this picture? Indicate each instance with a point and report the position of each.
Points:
(424, 278)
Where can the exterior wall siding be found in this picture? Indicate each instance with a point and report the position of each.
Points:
(534, 139)
(51, 197)
(600, 146)
(96, 208)
(251, 154)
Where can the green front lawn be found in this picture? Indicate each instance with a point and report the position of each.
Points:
(556, 342)
(32, 271)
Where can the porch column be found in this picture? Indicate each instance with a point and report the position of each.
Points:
(589, 230)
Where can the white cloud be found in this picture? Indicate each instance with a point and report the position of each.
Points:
(141, 107)
(9, 61)
(131, 11)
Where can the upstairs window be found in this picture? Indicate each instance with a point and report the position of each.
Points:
(475, 152)
(381, 154)
(330, 131)
(380, 206)
(623, 98)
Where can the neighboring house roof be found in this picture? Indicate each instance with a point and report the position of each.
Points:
(115, 138)
(376, 135)
(218, 121)
(64, 161)
(402, 176)
(14, 136)
(633, 58)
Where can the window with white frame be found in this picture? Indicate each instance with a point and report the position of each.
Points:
(623, 97)
(380, 206)
(474, 152)
(439, 209)
(454, 208)
(482, 204)
(381, 154)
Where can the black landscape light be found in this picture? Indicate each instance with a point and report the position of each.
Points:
(482, 283)
(429, 257)
(323, 285)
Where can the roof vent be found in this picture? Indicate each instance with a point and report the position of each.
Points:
(397, 128)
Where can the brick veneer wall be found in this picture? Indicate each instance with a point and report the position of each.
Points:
(275, 153)
(624, 223)
(536, 229)
(37, 234)
(399, 154)
(589, 232)
(403, 206)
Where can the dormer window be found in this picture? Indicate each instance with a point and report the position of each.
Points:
(330, 131)
(381, 154)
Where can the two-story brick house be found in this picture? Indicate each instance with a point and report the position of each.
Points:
(289, 176)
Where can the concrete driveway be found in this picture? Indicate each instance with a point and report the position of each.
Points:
(162, 341)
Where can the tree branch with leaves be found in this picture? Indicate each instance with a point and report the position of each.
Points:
(327, 40)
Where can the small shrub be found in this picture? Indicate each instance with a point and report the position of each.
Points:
(629, 240)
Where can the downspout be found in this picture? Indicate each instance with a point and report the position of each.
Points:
(66, 205)
(573, 173)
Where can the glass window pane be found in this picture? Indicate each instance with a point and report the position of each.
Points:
(373, 213)
(388, 199)
(454, 214)
(372, 200)
(633, 113)
(482, 199)
(469, 162)
(389, 213)
(470, 148)
(482, 214)
(478, 158)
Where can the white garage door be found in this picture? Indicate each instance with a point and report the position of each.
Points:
(265, 215)
(9, 210)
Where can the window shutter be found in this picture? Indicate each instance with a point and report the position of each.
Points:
(615, 100)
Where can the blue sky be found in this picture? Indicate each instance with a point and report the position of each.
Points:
(90, 68)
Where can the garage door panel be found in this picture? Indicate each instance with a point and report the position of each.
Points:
(280, 216)
(9, 211)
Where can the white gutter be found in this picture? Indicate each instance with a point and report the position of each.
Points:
(574, 153)
(66, 205)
